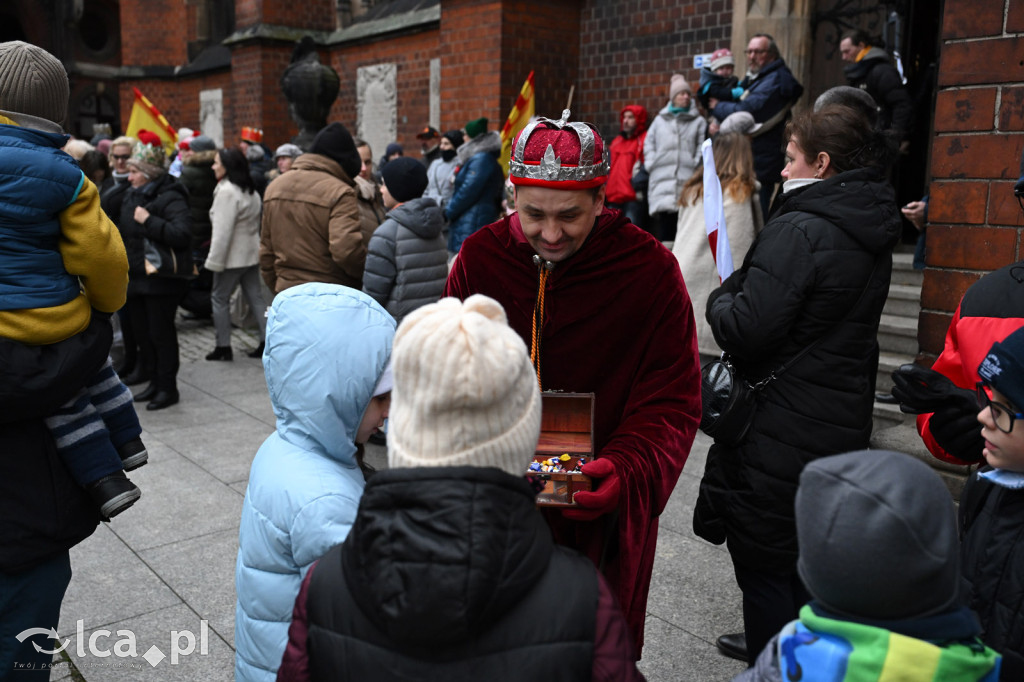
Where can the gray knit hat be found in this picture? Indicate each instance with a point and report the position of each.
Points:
(465, 393)
(32, 82)
(877, 535)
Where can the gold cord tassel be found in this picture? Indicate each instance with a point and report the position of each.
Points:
(544, 268)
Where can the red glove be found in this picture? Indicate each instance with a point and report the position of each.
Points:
(604, 499)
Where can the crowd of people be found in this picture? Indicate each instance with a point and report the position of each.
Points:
(402, 302)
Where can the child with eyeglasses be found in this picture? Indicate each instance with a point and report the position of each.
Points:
(992, 507)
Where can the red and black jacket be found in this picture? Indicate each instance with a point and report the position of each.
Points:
(990, 310)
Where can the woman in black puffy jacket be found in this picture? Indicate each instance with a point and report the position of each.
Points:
(819, 269)
(156, 227)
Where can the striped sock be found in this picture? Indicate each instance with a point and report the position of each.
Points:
(113, 400)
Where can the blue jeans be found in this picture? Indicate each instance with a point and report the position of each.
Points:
(31, 599)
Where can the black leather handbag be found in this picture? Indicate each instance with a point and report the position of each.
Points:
(728, 402)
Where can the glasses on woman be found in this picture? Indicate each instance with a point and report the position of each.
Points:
(1002, 415)
(120, 157)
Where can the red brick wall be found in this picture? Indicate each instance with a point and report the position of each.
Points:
(629, 50)
(154, 32)
(256, 91)
(545, 37)
(975, 224)
(411, 54)
(177, 100)
(470, 52)
(309, 14)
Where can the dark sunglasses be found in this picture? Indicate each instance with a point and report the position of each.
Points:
(120, 157)
(1002, 415)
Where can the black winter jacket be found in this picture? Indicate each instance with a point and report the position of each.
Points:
(112, 193)
(169, 222)
(198, 178)
(823, 246)
(407, 261)
(876, 75)
(992, 566)
(451, 574)
(43, 512)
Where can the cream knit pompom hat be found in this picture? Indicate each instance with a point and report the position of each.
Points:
(465, 393)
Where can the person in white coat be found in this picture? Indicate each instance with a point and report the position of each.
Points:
(734, 162)
(671, 154)
(234, 248)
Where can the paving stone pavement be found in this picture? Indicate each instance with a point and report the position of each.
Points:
(164, 570)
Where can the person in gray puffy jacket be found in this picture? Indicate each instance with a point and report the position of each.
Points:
(671, 155)
(407, 260)
(441, 173)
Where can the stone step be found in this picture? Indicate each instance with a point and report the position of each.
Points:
(903, 271)
(904, 300)
(887, 362)
(898, 335)
(887, 416)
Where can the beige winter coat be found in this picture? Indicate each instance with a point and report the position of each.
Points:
(691, 248)
(235, 217)
(311, 227)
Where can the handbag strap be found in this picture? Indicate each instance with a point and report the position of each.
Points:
(777, 372)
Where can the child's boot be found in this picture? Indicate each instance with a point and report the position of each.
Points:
(133, 454)
(113, 494)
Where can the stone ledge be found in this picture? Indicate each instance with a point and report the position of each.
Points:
(408, 21)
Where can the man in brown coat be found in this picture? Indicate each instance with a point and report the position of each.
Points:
(311, 221)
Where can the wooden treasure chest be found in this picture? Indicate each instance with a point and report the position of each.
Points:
(566, 443)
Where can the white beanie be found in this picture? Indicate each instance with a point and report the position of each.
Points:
(465, 393)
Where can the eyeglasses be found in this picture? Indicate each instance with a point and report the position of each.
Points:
(750, 52)
(120, 157)
(1002, 415)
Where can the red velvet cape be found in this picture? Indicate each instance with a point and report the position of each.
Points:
(618, 323)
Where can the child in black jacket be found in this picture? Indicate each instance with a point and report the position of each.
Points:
(992, 507)
(717, 79)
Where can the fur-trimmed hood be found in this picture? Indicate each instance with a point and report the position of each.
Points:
(201, 158)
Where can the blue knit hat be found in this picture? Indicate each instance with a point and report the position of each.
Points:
(1003, 367)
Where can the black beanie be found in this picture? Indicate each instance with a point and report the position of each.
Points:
(405, 178)
(877, 535)
(335, 142)
(455, 137)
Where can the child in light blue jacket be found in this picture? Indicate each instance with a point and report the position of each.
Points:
(326, 365)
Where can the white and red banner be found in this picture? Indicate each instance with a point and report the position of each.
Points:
(714, 215)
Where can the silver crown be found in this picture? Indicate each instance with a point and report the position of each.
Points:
(550, 168)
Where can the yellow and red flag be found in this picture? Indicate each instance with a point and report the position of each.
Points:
(145, 116)
(520, 115)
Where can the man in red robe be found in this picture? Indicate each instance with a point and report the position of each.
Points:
(603, 307)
